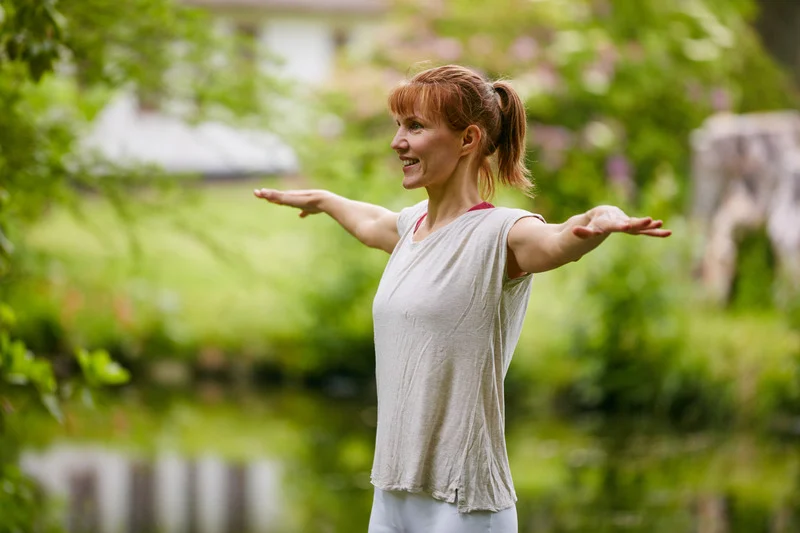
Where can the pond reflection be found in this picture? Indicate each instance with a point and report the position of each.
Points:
(296, 463)
(108, 491)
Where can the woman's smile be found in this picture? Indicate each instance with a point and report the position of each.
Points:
(409, 164)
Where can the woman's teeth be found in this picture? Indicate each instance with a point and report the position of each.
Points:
(408, 162)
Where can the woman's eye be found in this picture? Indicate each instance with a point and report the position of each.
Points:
(415, 126)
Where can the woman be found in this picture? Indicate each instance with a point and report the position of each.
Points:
(450, 305)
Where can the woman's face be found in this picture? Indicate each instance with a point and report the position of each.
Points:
(429, 150)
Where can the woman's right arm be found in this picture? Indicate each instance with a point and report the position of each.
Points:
(371, 224)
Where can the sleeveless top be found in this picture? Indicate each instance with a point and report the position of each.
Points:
(447, 319)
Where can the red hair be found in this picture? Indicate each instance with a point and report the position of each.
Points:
(462, 97)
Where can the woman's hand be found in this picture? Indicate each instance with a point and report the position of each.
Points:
(607, 219)
(308, 201)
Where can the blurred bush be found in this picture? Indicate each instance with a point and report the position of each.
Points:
(613, 88)
(60, 63)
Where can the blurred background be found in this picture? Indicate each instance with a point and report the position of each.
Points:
(176, 356)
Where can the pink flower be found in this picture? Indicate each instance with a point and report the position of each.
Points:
(447, 48)
(620, 175)
(721, 100)
(524, 48)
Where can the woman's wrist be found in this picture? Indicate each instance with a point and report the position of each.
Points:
(324, 200)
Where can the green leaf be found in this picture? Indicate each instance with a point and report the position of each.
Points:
(83, 358)
(99, 369)
(41, 373)
(87, 397)
(114, 374)
(17, 379)
(50, 401)
(7, 316)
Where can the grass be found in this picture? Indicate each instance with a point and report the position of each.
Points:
(228, 285)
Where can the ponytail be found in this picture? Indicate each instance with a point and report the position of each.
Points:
(510, 144)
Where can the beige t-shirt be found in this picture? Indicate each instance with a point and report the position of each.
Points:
(447, 320)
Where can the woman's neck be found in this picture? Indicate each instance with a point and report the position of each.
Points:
(454, 197)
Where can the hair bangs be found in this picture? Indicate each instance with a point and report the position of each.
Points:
(424, 100)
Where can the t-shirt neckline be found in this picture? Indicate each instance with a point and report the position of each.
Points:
(476, 207)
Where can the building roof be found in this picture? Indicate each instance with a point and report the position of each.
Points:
(309, 6)
(127, 136)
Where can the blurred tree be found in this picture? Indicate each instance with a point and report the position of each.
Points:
(613, 88)
(778, 24)
(60, 63)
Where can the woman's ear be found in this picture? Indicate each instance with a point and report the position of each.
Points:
(470, 139)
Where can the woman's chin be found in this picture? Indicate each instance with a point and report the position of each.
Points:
(411, 184)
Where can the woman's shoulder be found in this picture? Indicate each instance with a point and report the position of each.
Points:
(502, 213)
(409, 215)
(416, 210)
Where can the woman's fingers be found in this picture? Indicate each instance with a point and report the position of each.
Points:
(271, 195)
(651, 224)
(648, 227)
(654, 229)
(656, 232)
(636, 224)
(290, 198)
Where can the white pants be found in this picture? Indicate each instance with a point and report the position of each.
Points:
(406, 512)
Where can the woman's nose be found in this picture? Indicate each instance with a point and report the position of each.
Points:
(399, 142)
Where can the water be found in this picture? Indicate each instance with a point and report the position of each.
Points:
(224, 462)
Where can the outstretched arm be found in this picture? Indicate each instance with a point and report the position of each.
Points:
(538, 247)
(371, 224)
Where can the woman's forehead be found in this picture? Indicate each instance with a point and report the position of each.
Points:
(413, 115)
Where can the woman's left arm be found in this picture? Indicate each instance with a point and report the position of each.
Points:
(538, 247)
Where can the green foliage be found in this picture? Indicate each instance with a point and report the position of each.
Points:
(754, 283)
(20, 500)
(21, 367)
(99, 369)
(31, 34)
(631, 333)
(60, 62)
(613, 88)
(633, 338)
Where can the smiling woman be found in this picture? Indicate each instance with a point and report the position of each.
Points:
(449, 308)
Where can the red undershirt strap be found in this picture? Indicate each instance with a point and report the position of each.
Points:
(482, 205)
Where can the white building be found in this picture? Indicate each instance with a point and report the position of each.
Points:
(306, 36)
